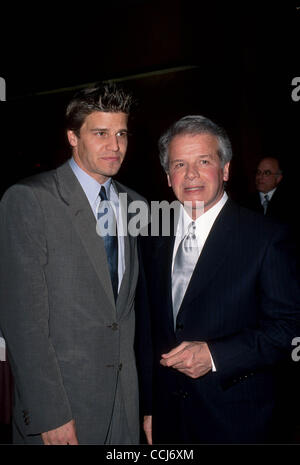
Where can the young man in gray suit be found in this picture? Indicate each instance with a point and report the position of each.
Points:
(67, 301)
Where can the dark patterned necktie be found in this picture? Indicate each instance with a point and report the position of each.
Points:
(110, 238)
(266, 203)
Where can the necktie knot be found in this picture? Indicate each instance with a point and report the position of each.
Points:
(265, 203)
(102, 193)
(106, 218)
(192, 230)
(190, 240)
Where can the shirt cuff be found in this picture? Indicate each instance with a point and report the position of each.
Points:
(213, 366)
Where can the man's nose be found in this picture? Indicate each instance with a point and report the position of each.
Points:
(192, 172)
(113, 143)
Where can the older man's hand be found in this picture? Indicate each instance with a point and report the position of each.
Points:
(191, 358)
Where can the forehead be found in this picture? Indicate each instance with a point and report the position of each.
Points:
(193, 144)
(105, 120)
(268, 164)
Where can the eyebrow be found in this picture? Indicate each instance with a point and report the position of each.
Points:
(206, 155)
(107, 130)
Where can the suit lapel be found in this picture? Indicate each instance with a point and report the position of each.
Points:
(128, 252)
(85, 224)
(258, 204)
(214, 253)
(164, 275)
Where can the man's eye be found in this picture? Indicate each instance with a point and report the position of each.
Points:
(179, 165)
(122, 134)
(101, 133)
(204, 162)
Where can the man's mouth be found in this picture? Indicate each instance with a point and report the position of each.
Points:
(194, 188)
(111, 158)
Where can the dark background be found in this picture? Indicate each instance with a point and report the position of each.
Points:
(231, 62)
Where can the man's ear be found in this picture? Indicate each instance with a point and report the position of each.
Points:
(72, 138)
(169, 181)
(226, 171)
(278, 178)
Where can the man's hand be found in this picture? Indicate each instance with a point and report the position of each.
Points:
(191, 358)
(148, 428)
(65, 434)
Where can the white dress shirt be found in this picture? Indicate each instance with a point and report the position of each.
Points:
(269, 194)
(203, 226)
(91, 189)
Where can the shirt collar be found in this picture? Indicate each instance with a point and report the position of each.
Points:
(204, 220)
(269, 194)
(90, 186)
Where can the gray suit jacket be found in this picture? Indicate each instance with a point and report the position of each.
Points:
(69, 344)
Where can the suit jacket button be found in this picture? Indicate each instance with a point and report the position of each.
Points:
(179, 326)
(114, 326)
(120, 366)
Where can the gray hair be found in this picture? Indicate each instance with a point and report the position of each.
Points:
(194, 124)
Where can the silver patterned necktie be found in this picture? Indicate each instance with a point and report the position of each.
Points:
(184, 264)
(265, 203)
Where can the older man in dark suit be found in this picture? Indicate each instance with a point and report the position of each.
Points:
(271, 197)
(219, 303)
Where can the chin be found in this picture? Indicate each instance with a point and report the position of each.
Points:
(193, 199)
(112, 171)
